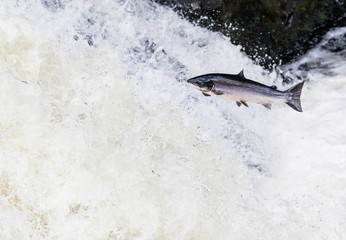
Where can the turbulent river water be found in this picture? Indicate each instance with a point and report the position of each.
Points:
(101, 137)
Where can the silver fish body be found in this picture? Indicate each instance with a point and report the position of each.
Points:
(243, 91)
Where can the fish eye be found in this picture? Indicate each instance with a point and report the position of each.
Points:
(207, 86)
(201, 84)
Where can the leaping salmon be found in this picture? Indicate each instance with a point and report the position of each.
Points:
(243, 90)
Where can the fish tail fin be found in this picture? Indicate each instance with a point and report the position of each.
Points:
(294, 97)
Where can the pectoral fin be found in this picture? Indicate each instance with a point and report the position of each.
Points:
(238, 104)
(267, 105)
(207, 95)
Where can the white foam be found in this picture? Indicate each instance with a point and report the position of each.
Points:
(103, 142)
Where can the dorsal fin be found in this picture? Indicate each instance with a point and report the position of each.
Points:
(241, 74)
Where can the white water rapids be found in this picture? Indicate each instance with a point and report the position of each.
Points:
(101, 137)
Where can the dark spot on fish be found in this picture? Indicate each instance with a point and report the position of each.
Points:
(218, 93)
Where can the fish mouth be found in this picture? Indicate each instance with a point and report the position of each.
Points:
(203, 86)
(194, 83)
(190, 81)
(199, 80)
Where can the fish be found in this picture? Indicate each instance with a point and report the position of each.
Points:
(243, 91)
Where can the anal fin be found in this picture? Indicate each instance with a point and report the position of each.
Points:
(267, 105)
(245, 104)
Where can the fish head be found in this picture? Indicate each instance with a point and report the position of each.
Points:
(203, 84)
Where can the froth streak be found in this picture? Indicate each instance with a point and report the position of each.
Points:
(79, 151)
